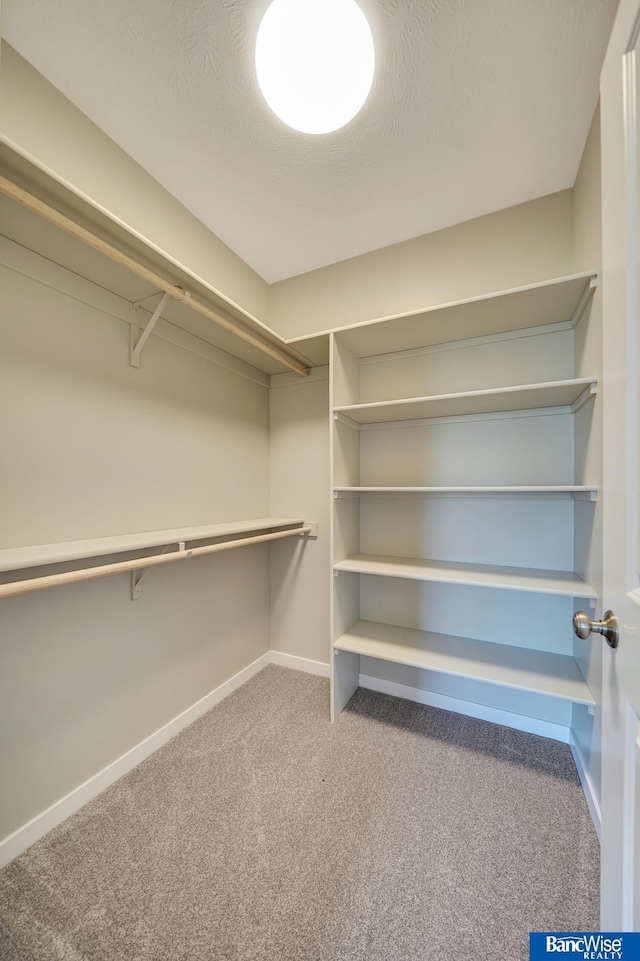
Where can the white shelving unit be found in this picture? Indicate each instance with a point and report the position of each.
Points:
(458, 530)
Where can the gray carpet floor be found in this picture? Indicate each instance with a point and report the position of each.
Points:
(263, 833)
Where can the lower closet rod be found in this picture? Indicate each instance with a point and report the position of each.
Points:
(90, 573)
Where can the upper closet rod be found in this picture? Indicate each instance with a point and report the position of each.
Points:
(119, 567)
(32, 203)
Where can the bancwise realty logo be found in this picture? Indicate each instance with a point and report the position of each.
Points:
(606, 946)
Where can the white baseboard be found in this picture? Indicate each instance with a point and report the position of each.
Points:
(532, 725)
(587, 786)
(299, 663)
(40, 825)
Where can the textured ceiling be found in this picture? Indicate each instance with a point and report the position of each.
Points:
(476, 105)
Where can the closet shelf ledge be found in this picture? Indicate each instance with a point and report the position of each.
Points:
(539, 672)
(561, 393)
(532, 580)
(557, 300)
(23, 558)
(579, 491)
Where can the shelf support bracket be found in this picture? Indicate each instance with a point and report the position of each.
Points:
(347, 421)
(136, 349)
(138, 574)
(584, 397)
(591, 496)
(582, 304)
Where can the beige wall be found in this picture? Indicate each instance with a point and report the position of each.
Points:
(39, 123)
(514, 247)
(587, 215)
(299, 472)
(89, 447)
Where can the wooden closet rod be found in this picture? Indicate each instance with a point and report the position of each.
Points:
(43, 210)
(90, 573)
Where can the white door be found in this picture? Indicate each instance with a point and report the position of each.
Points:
(620, 106)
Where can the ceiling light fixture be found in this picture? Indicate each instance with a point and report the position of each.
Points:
(314, 61)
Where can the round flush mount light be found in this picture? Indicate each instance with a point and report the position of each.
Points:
(314, 61)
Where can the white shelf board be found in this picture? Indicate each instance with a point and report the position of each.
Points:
(532, 580)
(19, 558)
(69, 254)
(560, 393)
(556, 675)
(547, 489)
(550, 302)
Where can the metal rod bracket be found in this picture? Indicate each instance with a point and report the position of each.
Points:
(136, 586)
(138, 574)
(137, 342)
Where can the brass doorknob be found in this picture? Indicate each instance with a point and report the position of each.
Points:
(608, 627)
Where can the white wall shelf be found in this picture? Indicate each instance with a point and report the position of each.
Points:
(550, 302)
(53, 243)
(567, 393)
(22, 558)
(523, 308)
(577, 490)
(556, 675)
(533, 580)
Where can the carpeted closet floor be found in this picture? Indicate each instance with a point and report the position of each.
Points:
(262, 832)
